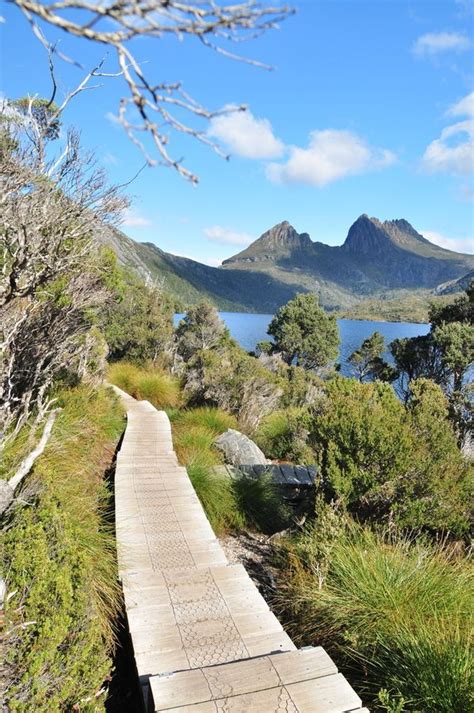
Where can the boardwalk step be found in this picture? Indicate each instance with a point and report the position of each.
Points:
(204, 639)
(305, 680)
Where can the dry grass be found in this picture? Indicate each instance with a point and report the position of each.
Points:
(146, 383)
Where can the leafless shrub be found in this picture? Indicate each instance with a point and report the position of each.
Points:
(51, 281)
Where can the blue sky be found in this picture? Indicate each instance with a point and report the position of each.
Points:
(369, 110)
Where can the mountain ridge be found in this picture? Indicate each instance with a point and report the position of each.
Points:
(374, 256)
(376, 259)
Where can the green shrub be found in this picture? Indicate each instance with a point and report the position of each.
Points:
(282, 435)
(397, 615)
(59, 559)
(138, 323)
(390, 462)
(234, 381)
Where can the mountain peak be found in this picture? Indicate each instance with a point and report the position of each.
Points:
(366, 235)
(283, 234)
(277, 242)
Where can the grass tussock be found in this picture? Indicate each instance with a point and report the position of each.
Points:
(194, 433)
(261, 504)
(283, 435)
(214, 419)
(216, 493)
(273, 433)
(146, 383)
(230, 504)
(397, 614)
(59, 564)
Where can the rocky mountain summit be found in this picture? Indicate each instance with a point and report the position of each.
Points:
(374, 256)
(377, 260)
(275, 243)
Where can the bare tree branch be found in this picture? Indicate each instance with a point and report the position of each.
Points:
(150, 108)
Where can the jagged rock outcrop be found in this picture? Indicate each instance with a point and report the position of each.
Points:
(279, 241)
(375, 256)
(460, 285)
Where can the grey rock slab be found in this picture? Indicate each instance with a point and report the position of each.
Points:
(239, 449)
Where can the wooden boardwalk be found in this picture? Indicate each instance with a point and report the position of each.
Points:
(204, 638)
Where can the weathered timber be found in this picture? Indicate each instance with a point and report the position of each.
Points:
(204, 638)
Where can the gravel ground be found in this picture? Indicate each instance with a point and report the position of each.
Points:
(256, 552)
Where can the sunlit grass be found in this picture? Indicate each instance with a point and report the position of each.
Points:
(213, 419)
(399, 614)
(217, 496)
(60, 561)
(146, 383)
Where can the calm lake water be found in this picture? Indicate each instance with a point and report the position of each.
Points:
(248, 329)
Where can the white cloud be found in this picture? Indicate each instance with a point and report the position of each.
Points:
(132, 219)
(245, 135)
(227, 236)
(332, 154)
(460, 245)
(464, 107)
(434, 43)
(453, 151)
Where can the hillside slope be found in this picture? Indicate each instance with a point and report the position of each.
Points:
(377, 260)
(190, 281)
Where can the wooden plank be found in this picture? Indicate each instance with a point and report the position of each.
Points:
(329, 694)
(204, 638)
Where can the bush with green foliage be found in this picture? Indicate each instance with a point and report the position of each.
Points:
(368, 363)
(201, 329)
(445, 355)
(283, 435)
(304, 333)
(397, 615)
(227, 377)
(59, 564)
(389, 462)
(138, 324)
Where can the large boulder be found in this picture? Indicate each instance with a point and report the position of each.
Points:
(238, 449)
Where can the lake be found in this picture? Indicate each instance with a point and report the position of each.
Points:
(248, 329)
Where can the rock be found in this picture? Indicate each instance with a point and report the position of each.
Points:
(238, 449)
(6, 495)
